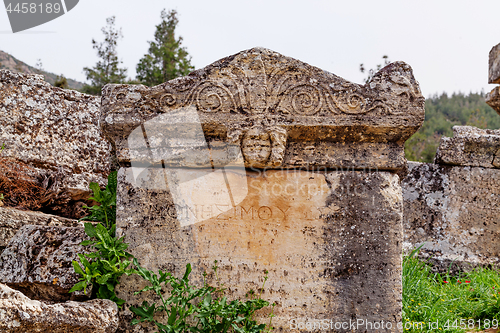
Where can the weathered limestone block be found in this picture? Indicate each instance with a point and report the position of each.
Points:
(38, 262)
(493, 97)
(20, 314)
(494, 65)
(470, 146)
(330, 251)
(11, 220)
(247, 161)
(53, 130)
(455, 212)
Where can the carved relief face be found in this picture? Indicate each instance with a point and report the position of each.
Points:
(256, 146)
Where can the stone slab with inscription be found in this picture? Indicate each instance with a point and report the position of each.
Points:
(263, 162)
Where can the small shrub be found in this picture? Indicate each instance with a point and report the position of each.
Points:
(106, 265)
(19, 185)
(212, 312)
(105, 211)
(110, 260)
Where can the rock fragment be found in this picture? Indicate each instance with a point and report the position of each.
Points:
(19, 313)
(38, 262)
(470, 146)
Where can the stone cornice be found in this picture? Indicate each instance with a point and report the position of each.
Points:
(266, 104)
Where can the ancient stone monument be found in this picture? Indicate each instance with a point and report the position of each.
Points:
(263, 162)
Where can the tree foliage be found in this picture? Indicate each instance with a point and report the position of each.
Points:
(107, 69)
(61, 82)
(166, 59)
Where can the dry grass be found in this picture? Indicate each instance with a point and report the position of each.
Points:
(20, 186)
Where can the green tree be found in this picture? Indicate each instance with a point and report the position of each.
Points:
(61, 82)
(166, 59)
(107, 69)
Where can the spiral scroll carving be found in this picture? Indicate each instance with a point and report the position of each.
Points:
(168, 100)
(213, 97)
(351, 103)
(305, 99)
(254, 87)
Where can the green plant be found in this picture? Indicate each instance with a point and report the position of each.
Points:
(212, 313)
(110, 260)
(106, 265)
(106, 210)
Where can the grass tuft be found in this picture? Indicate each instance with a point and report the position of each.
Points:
(457, 304)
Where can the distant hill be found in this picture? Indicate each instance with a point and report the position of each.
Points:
(9, 62)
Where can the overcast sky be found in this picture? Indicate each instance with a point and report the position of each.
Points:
(446, 42)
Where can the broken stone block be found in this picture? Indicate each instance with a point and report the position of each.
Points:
(11, 220)
(38, 262)
(263, 162)
(453, 211)
(494, 65)
(470, 146)
(20, 314)
(54, 132)
(493, 99)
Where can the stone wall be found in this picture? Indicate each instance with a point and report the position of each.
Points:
(52, 148)
(451, 207)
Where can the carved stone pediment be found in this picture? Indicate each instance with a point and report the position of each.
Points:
(279, 111)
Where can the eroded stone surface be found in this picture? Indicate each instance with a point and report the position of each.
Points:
(455, 212)
(493, 99)
(470, 146)
(289, 111)
(38, 262)
(11, 220)
(20, 314)
(331, 241)
(53, 130)
(494, 65)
